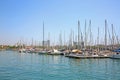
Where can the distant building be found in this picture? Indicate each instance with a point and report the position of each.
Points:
(76, 44)
(46, 43)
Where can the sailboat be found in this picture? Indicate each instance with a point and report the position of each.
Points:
(43, 51)
(55, 52)
(116, 54)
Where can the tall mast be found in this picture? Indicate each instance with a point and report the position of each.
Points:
(35, 45)
(60, 39)
(20, 44)
(82, 41)
(112, 36)
(117, 41)
(32, 43)
(64, 38)
(43, 35)
(98, 39)
(85, 41)
(105, 34)
(48, 40)
(78, 34)
(90, 34)
(54, 43)
(73, 39)
(76, 42)
(69, 40)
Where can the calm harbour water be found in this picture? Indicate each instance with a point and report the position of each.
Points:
(25, 66)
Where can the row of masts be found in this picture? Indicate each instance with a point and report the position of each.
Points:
(79, 39)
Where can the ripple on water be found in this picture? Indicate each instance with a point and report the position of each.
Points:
(16, 66)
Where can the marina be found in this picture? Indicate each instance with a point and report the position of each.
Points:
(59, 40)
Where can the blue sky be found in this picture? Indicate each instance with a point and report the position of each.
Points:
(23, 19)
